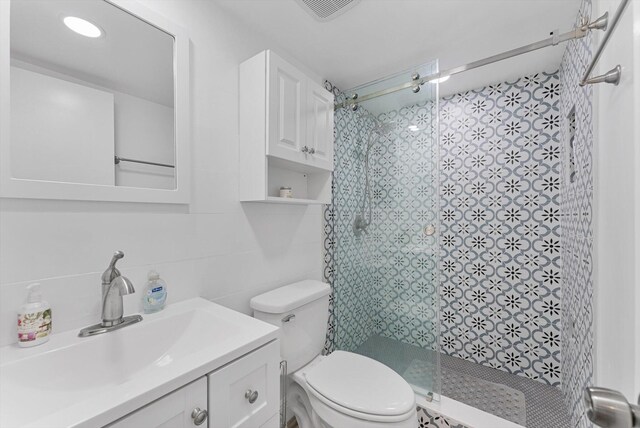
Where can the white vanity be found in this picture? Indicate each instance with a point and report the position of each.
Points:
(194, 363)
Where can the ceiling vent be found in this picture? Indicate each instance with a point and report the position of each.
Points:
(326, 10)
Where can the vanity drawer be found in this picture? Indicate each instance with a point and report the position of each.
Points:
(171, 411)
(246, 393)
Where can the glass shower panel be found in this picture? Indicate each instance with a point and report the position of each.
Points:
(385, 212)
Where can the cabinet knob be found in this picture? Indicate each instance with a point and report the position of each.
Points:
(199, 416)
(250, 395)
(312, 151)
(305, 149)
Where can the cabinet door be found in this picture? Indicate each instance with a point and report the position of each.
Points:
(319, 118)
(171, 411)
(274, 422)
(246, 393)
(286, 126)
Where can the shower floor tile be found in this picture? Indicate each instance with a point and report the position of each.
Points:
(520, 399)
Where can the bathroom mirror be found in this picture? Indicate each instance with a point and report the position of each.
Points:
(93, 102)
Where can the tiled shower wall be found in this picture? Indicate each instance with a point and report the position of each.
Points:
(500, 220)
(385, 281)
(404, 170)
(347, 257)
(576, 191)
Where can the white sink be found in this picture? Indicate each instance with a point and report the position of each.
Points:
(92, 381)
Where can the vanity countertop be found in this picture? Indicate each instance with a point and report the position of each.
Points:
(87, 382)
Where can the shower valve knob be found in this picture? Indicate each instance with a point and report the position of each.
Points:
(312, 151)
(304, 149)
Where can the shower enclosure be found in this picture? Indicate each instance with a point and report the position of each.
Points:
(382, 234)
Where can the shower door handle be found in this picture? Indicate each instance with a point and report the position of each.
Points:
(609, 408)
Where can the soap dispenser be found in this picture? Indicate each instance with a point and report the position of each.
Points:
(34, 319)
(155, 295)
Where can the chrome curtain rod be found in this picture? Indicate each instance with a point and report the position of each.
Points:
(118, 159)
(613, 75)
(417, 81)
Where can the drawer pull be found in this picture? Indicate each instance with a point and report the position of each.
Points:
(250, 395)
(199, 416)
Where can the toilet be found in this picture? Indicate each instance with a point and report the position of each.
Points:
(340, 390)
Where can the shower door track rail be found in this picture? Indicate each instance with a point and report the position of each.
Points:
(417, 81)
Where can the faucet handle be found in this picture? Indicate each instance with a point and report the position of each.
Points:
(116, 256)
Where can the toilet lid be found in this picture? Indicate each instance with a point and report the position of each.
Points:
(361, 384)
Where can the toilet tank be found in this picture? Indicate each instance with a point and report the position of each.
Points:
(301, 310)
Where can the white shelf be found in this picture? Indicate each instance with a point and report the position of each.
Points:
(292, 201)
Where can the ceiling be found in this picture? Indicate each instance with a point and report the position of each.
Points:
(377, 38)
(132, 56)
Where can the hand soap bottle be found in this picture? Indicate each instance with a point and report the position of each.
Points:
(34, 319)
(155, 295)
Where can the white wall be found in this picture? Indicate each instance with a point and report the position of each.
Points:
(61, 131)
(617, 181)
(144, 131)
(221, 249)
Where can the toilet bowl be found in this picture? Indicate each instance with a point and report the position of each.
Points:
(340, 390)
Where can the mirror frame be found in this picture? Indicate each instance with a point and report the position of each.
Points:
(11, 187)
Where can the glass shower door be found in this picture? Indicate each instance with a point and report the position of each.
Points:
(386, 229)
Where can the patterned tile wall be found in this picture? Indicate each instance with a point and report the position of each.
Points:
(428, 418)
(347, 257)
(500, 228)
(385, 281)
(577, 227)
(404, 169)
(500, 189)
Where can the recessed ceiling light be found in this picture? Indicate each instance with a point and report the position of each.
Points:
(82, 27)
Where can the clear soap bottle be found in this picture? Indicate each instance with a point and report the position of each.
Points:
(155, 295)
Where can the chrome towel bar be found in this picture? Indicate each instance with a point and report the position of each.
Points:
(612, 76)
(118, 159)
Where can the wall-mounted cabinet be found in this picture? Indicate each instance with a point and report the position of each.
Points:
(286, 133)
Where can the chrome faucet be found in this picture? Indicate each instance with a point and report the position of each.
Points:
(114, 286)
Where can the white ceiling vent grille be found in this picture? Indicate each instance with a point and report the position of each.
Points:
(325, 10)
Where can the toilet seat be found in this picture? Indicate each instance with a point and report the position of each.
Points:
(359, 387)
(318, 402)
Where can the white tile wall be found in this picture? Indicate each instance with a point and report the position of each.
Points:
(217, 248)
